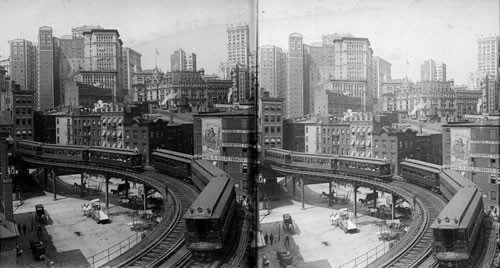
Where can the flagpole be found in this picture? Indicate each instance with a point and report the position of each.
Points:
(156, 55)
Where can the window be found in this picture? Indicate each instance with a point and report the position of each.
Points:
(278, 118)
(266, 118)
(493, 195)
(244, 169)
(278, 129)
(307, 129)
(272, 129)
(57, 130)
(266, 129)
(493, 179)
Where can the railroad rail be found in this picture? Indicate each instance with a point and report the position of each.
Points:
(168, 236)
(166, 239)
(416, 245)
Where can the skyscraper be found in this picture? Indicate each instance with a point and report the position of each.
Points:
(429, 71)
(238, 44)
(178, 60)
(44, 98)
(191, 62)
(271, 74)
(488, 55)
(103, 61)
(295, 72)
(381, 74)
(131, 65)
(23, 64)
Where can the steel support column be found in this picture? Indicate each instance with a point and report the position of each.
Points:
(302, 187)
(54, 182)
(329, 193)
(82, 185)
(128, 187)
(393, 212)
(293, 186)
(355, 188)
(145, 197)
(106, 180)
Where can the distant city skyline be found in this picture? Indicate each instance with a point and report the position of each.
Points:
(399, 31)
(158, 25)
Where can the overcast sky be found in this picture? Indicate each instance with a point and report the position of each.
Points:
(197, 26)
(398, 30)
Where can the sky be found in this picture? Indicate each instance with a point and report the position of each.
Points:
(197, 26)
(398, 30)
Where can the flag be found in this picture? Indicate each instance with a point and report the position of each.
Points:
(157, 52)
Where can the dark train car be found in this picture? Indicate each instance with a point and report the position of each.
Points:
(315, 162)
(209, 219)
(278, 156)
(457, 228)
(125, 158)
(421, 173)
(365, 167)
(202, 173)
(173, 163)
(451, 182)
(28, 147)
(69, 153)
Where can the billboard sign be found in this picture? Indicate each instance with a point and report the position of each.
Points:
(460, 147)
(211, 136)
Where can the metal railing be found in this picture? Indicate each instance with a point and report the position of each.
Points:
(114, 251)
(368, 257)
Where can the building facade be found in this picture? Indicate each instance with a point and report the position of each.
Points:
(473, 150)
(381, 74)
(488, 54)
(103, 66)
(23, 64)
(272, 70)
(228, 140)
(45, 86)
(131, 65)
(270, 121)
(238, 44)
(430, 71)
(295, 74)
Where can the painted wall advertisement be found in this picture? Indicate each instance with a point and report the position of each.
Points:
(460, 147)
(211, 136)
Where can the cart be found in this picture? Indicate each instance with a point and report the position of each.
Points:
(287, 223)
(40, 214)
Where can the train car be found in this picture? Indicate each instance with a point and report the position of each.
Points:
(457, 228)
(209, 219)
(421, 173)
(27, 147)
(125, 158)
(65, 153)
(278, 156)
(451, 182)
(365, 167)
(172, 163)
(315, 162)
(202, 173)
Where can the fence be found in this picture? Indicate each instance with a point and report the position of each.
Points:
(114, 251)
(368, 257)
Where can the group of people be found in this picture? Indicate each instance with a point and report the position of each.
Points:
(270, 239)
(23, 229)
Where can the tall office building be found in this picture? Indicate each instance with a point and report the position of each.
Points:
(45, 90)
(488, 55)
(321, 69)
(131, 65)
(272, 76)
(191, 62)
(381, 74)
(178, 60)
(353, 69)
(430, 71)
(295, 75)
(68, 59)
(103, 61)
(238, 44)
(23, 66)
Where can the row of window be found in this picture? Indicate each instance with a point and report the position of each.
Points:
(272, 129)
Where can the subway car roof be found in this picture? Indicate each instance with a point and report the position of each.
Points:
(168, 152)
(211, 202)
(114, 150)
(423, 163)
(457, 178)
(365, 160)
(455, 214)
(427, 168)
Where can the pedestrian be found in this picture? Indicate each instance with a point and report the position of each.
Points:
(287, 240)
(265, 238)
(39, 233)
(24, 228)
(19, 228)
(271, 238)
